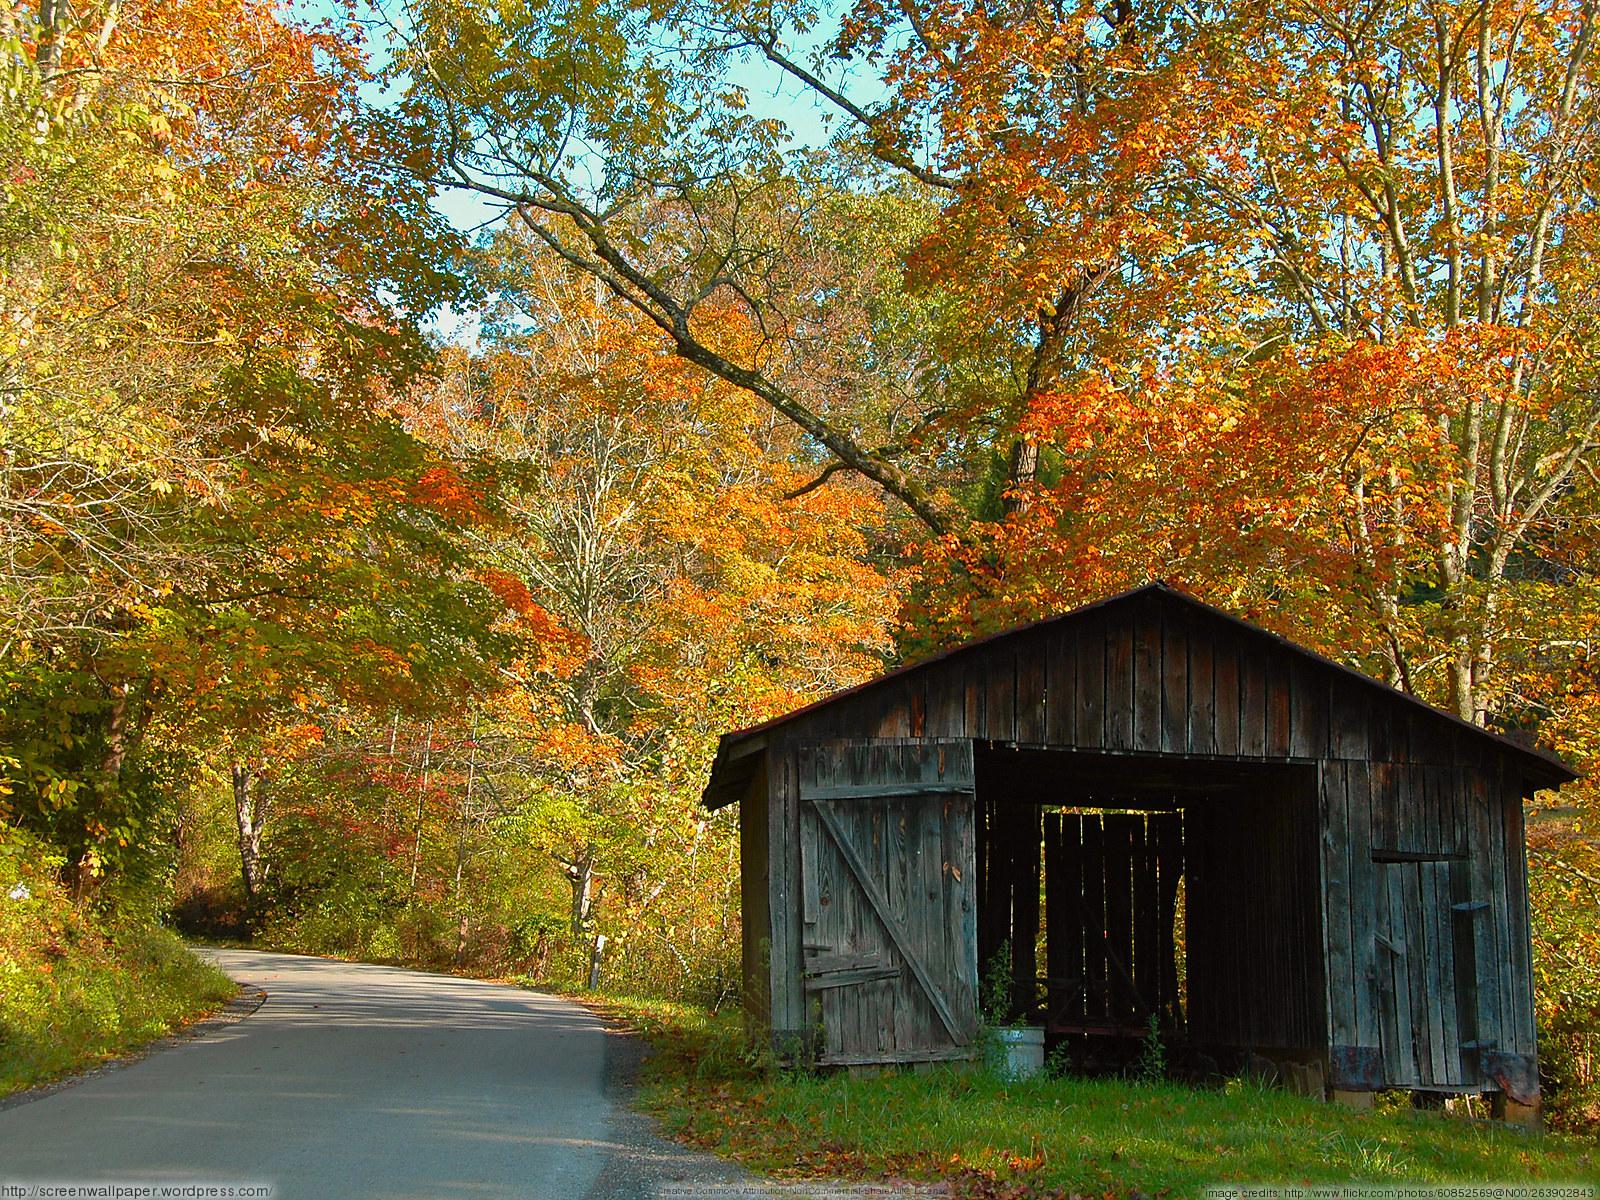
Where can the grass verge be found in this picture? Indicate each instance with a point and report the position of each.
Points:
(76, 989)
(1067, 1136)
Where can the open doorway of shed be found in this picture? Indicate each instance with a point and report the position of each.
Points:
(1117, 889)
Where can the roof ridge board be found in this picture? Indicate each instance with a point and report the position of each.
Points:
(737, 735)
(1386, 689)
(1162, 588)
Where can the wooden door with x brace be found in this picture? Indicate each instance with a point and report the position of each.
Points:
(890, 909)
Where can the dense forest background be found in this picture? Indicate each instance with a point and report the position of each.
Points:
(798, 340)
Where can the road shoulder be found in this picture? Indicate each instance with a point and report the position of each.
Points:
(244, 1003)
(647, 1166)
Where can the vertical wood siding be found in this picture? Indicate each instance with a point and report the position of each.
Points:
(1417, 837)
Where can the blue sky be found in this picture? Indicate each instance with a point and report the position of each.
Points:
(770, 94)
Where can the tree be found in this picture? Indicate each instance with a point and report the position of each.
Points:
(651, 539)
(1132, 201)
(202, 312)
(1416, 184)
(729, 230)
(1385, 283)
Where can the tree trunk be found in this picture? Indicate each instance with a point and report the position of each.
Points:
(83, 877)
(1023, 470)
(85, 873)
(580, 875)
(52, 27)
(422, 795)
(116, 733)
(465, 815)
(250, 807)
(1044, 374)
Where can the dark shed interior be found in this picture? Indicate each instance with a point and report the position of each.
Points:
(1123, 838)
(1142, 811)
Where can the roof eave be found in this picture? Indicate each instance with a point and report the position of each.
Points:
(1543, 769)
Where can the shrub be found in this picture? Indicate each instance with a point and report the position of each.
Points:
(77, 986)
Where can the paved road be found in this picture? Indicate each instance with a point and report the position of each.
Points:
(360, 1081)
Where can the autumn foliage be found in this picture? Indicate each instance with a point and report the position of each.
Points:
(376, 640)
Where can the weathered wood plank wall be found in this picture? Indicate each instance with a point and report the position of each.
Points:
(1255, 957)
(888, 935)
(1395, 784)
(755, 896)
(1158, 679)
(1111, 885)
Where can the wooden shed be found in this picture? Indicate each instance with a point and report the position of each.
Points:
(1346, 862)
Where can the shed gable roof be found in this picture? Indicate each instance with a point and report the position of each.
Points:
(736, 750)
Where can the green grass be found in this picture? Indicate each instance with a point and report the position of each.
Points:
(1079, 1136)
(75, 989)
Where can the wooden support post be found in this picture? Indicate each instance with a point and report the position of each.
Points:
(1504, 1108)
(1306, 1079)
(1357, 1100)
(1026, 836)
